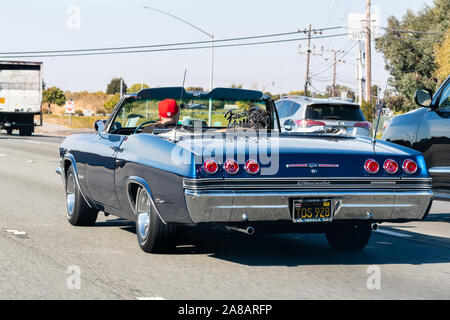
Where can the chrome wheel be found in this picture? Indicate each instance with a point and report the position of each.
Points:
(70, 194)
(144, 208)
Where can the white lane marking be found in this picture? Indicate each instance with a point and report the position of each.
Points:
(2, 155)
(32, 141)
(393, 233)
(16, 232)
(150, 298)
(30, 161)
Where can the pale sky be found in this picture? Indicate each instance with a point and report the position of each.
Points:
(30, 25)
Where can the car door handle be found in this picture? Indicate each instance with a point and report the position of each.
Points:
(120, 163)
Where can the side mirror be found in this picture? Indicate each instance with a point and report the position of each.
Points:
(100, 125)
(289, 125)
(424, 97)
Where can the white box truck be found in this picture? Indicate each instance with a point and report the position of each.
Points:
(20, 96)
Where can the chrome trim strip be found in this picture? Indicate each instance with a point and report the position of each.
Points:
(308, 178)
(141, 182)
(296, 166)
(312, 165)
(252, 207)
(303, 193)
(439, 170)
(71, 158)
(439, 195)
(387, 205)
(309, 187)
(307, 183)
(59, 171)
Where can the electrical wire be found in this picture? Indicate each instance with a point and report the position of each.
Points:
(169, 49)
(412, 31)
(329, 66)
(164, 45)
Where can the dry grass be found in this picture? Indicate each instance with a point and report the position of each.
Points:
(77, 122)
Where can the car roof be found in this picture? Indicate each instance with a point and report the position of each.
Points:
(311, 101)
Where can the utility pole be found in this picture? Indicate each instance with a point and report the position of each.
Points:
(360, 72)
(308, 59)
(368, 54)
(308, 52)
(335, 62)
(333, 87)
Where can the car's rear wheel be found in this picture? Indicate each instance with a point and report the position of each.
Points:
(78, 211)
(154, 236)
(349, 237)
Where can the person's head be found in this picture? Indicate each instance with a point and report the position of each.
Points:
(168, 109)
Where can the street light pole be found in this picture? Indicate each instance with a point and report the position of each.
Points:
(211, 85)
(142, 73)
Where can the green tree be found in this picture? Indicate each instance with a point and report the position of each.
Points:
(114, 86)
(112, 103)
(195, 89)
(53, 95)
(442, 57)
(137, 87)
(367, 109)
(409, 56)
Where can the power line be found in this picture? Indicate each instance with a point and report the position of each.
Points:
(169, 49)
(412, 31)
(412, 39)
(164, 45)
(331, 65)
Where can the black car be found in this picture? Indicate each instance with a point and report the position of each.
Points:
(427, 130)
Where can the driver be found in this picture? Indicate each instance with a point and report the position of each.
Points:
(168, 116)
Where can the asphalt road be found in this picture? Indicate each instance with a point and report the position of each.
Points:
(41, 254)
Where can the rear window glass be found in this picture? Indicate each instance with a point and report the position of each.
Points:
(334, 112)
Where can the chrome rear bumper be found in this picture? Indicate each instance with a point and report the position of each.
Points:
(275, 205)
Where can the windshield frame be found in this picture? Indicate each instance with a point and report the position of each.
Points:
(269, 104)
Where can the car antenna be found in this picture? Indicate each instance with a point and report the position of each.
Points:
(380, 111)
(181, 101)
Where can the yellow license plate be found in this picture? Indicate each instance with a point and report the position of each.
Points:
(312, 210)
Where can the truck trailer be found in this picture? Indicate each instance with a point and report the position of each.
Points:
(20, 96)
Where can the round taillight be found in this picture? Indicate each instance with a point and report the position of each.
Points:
(210, 166)
(252, 167)
(371, 166)
(231, 167)
(390, 166)
(409, 166)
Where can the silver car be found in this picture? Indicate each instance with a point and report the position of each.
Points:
(304, 114)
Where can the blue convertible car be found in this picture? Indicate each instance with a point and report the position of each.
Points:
(241, 174)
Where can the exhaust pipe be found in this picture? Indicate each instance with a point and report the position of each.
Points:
(249, 230)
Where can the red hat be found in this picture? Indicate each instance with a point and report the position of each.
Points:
(168, 108)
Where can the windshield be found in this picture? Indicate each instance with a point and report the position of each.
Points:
(230, 114)
(342, 112)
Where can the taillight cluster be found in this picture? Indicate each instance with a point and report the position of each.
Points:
(231, 167)
(364, 124)
(309, 123)
(390, 166)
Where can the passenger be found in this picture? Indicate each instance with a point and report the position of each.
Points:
(168, 116)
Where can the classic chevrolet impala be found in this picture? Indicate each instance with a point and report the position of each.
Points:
(242, 174)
